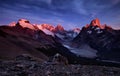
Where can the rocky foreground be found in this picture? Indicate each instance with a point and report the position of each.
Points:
(27, 66)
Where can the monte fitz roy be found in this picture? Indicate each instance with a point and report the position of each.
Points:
(93, 44)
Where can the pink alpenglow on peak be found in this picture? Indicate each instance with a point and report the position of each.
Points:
(25, 23)
(59, 28)
(39, 26)
(12, 24)
(46, 28)
(95, 22)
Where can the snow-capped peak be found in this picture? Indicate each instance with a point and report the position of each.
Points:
(25, 23)
(47, 26)
(47, 29)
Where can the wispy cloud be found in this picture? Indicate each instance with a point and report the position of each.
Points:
(114, 2)
(66, 12)
(79, 7)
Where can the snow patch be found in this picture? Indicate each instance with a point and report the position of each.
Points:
(89, 32)
(97, 28)
(99, 32)
(93, 27)
(40, 27)
(60, 36)
(73, 35)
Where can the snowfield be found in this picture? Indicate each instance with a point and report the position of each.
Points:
(83, 51)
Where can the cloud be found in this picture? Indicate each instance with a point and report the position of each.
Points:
(67, 12)
(114, 2)
(47, 1)
(93, 15)
(79, 7)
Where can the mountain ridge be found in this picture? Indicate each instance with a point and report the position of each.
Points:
(92, 37)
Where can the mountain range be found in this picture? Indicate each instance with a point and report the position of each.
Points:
(94, 43)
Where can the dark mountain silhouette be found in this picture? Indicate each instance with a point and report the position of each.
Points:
(102, 38)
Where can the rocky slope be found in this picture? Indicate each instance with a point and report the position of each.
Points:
(27, 66)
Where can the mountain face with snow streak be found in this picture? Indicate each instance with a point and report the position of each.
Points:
(48, 32)
(47, 29)
(104, 39)
(46, 26)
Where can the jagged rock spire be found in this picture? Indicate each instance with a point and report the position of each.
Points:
(95, 22)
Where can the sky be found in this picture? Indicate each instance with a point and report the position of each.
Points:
(68, 13)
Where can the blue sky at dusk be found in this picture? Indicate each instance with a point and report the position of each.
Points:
(69, 13)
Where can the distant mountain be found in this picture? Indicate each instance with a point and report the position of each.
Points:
(59, 32)
(46, 26)
(25, 38)
(59, 28)
(102, 38)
